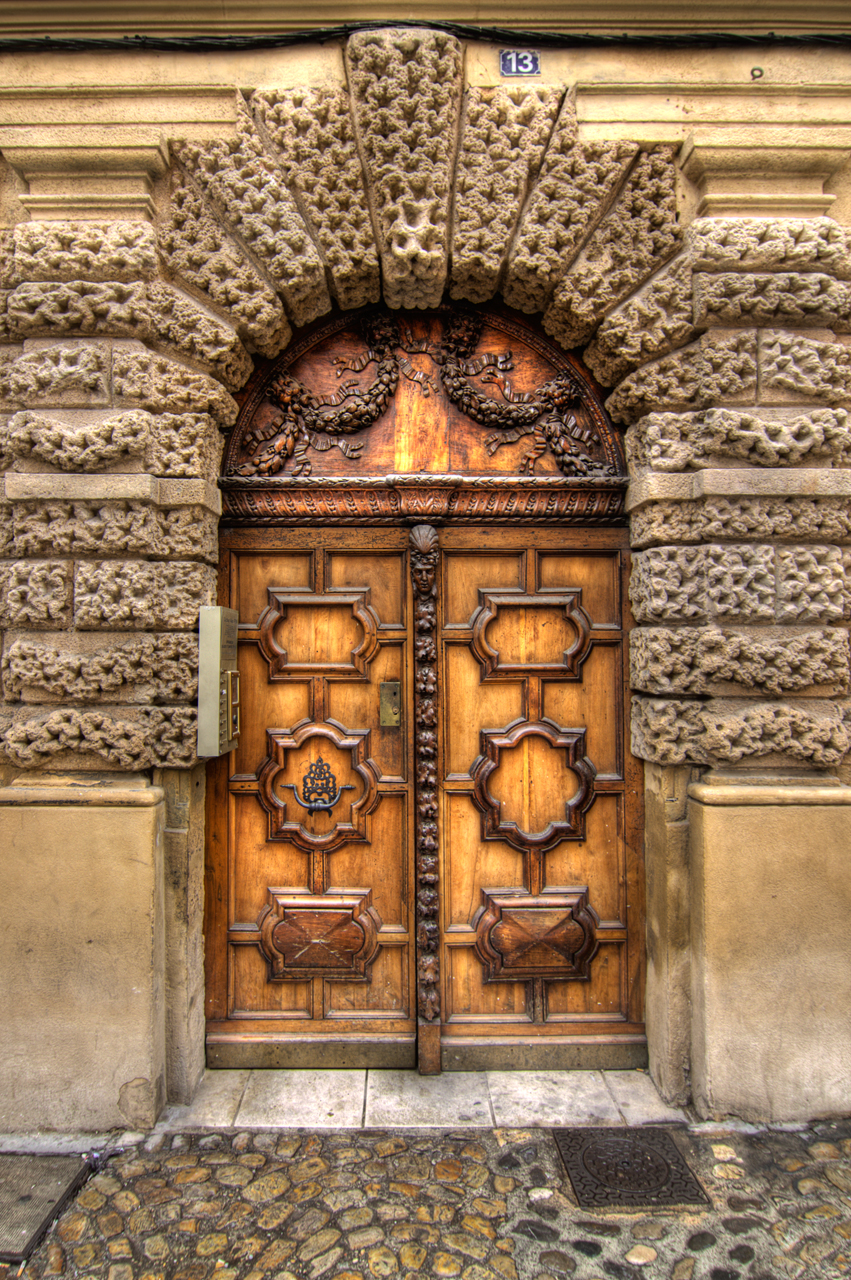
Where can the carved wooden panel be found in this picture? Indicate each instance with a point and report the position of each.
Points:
(576, 804)
(332, 935)
(567, 603)
(281, 664)
(551, 935)
(454, 413)
(319, 791)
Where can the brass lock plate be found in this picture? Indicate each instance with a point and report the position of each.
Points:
(390, 704)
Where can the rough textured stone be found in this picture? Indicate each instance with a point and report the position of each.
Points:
(64, 374)
(247, 188)
(78, 447)
(639, 234)
(83, 251)
(35, 593)
(792, 366)
(154, 382)
(811, 583)
(137, 595)
(150, 737)
(719, 366)
(152, 312)
(679, 442)
(658, 319)
(195, 248)
(406, 97)
(770, 244)
(577, 184)
(504, 134)
(725, 731)
(184, 445)
(802, 298)
(149, 668)
(7, 357)
(826, 519)
(314, 137)
(89, 527)
(697, 660)
(690, 584)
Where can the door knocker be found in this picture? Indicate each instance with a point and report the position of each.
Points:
(320, 788)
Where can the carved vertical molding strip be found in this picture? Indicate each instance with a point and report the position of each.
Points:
(424, 559)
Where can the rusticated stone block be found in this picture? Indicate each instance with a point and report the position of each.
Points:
(35, 593)
(793, 367)
(142, 596)
(719, 366)
(639, 234)
(705, 660)
(130, 527)
(314, 137)
(577, 183)
(770, 244)
(67, 374)
(74, 447)
(656, 320)
(802, 298)
(826, 519)
(811, 584)
(129, 740)
(406, 97)
(83, 251)
(154, 382)
(504, 133)
(175, 445)
(196, 248)
(680, 442)
(247, 188)
(811, 731)
(692, 584)
(153, 312)
(8, 355)
(85, 667)
(6, 531)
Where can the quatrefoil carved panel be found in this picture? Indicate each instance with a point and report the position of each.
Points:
(520, 936)
(280, 601)
(572, 826)
(569, 602)
(278, 743)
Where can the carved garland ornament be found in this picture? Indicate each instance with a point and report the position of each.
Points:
(424, 557)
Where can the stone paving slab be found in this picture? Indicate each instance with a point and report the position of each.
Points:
(478, 1205)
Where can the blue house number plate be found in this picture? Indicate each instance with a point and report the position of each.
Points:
(519, 62)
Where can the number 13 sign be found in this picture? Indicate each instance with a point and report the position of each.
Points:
(519, 62)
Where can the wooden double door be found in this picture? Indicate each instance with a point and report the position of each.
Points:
(426, 847)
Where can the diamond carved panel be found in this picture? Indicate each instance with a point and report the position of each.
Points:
(521, 936)
(330, 935)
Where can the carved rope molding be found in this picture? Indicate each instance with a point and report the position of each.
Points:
(150, 326)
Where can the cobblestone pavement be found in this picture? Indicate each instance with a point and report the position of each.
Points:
(486, 1205)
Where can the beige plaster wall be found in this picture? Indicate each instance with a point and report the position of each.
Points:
(82, 1002)
(771, 947)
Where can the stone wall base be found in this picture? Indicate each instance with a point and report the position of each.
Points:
(770, 871)
(82, 952)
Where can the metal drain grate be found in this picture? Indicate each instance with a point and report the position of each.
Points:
(623, 1167)
(33, 1191)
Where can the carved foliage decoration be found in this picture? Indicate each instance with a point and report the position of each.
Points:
(424, 558)
(280, 666)
(521, 936)
(278, 743)
(332, 935)
(490, 603)
(572, 826)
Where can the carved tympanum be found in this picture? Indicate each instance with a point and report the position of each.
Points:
(274, 767)
(521, 936)
(331, 935)
(568, 602)
(572, 826)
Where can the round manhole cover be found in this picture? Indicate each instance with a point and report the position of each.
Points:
(625, 1165)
